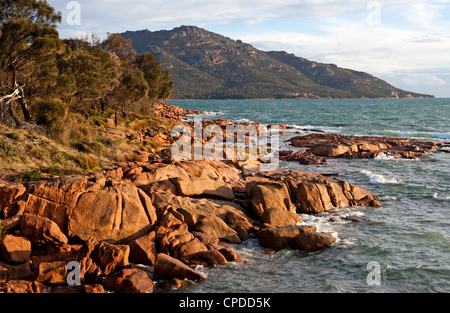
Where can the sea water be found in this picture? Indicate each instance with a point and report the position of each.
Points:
(408, 237)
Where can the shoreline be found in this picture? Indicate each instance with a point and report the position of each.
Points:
(167, 215)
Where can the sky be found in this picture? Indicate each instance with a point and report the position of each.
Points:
(406, 43)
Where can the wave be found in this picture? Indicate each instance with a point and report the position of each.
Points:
(242, 120)
(411, 134)
(381, 179)
(212, 113)
(441, 198)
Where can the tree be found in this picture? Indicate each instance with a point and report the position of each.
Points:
(160, 86)
(133, 88)
(116, 44)
(28, 36)
(88, 74)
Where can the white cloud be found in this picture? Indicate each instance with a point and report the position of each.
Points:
(415, 80)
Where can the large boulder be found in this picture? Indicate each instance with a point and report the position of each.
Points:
(267, 194)
(203, 187)
(52, 273)
(313, 198)
(280, 218)
(114, 213)
(330, 150)
(143, 249)
(9, 192)
(130, 280)
(214, 226)
(41, 230)
(167, 267)
(15, 249)
(321, 195)
(278, 238)
(312, 241)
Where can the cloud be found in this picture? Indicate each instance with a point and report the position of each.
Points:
(415, 80)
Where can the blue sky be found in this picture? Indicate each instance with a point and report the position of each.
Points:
(406, 43)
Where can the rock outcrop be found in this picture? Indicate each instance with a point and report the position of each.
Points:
(168, 215)
(325, 145)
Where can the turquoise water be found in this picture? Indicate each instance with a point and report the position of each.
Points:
(409, 236)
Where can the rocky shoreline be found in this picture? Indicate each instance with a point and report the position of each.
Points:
(319, 147)
(144, 226)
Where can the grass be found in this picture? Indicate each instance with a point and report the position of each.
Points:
(87, 143)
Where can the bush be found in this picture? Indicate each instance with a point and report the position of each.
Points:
(52, 114)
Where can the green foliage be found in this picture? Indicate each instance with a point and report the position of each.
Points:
(29, 176)
(51, 113)
(1, 229)
(87, 75)
(160, 86)
(116, 44)
(29, 40)
(134, 86)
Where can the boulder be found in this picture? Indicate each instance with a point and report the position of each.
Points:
(313, 198)
(9, 192)
(278, 238)
(41, 230)
(203, 187)
(214, 226)
(336, 194)
(143, 249)
(106, 256)
(52, 272)
(15, 272)
(206, 258)
(280, 218)
(199, 214)
(130, 280)
(15, 249)
(267, 194)
(231, 255)
(167, 267)
(312, 241)
(330, 150)
(157, 172)
(22, 286)
(189, 248)
(114, 213)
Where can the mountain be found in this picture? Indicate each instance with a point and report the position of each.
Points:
(206, 65)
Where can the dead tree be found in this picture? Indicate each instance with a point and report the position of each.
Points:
(8, 116)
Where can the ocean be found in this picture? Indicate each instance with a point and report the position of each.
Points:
(402, 247)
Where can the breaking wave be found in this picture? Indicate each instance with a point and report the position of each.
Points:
(375, 178)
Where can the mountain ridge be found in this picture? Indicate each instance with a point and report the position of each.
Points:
(206, 65)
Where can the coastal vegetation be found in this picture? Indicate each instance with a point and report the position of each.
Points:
(61, 99)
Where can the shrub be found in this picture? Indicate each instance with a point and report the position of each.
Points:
(51, 113)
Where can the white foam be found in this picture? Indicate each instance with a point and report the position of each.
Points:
(441, 198)
(242, 120)
(389, 198)
(375, 178)
(209, 113)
